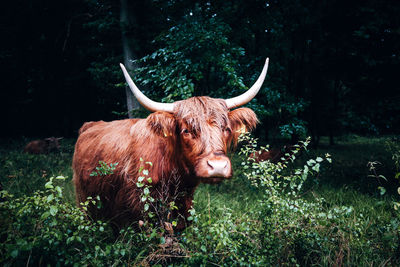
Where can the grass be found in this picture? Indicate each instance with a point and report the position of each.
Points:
(22, 173)
(351, 155)
(233, 227)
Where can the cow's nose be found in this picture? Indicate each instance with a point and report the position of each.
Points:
(218, 168)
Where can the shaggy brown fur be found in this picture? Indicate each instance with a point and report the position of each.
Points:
(179, 144)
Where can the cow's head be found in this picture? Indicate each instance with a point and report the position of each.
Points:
(202, 128)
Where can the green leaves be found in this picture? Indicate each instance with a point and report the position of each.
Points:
(194, 58)
(145, 182)
(45, 228)
(146, 191)
(53, 210)
(50, 198)
(49, 184)
(104, 169)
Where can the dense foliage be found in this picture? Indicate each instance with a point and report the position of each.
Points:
(333, 63)
(196, 59)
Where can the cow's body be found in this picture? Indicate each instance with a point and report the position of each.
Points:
(186, 142)
(45, 146)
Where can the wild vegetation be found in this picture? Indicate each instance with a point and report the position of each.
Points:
(286, 213)
(333, 76)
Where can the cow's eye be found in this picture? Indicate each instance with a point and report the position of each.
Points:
(185, 131)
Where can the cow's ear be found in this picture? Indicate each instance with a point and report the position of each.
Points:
(242, 120)
(162, 123)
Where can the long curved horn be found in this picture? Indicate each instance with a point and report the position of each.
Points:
(144, 100)
(249, 94)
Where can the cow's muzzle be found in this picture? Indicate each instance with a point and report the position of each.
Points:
(214, 166)
(218, 168)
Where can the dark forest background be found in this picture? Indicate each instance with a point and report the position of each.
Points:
(334, 65)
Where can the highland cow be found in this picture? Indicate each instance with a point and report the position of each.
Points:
(188, 139)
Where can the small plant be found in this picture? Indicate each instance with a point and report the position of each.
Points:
(162, 209)
(144, 182)
(160, 216)
(372, 166)
(393, 147)
(104, 169)
(274, 177)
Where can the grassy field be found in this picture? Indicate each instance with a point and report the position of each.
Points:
(338, 218)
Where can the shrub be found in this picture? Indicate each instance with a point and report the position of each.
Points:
(305, 231)
(393, 147)
(287, 228)
(42, 229)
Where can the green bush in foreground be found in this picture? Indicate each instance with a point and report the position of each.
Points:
(41, 229)
(286, 228)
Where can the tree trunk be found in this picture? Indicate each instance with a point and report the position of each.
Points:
(131, 101)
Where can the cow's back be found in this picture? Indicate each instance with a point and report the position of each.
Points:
(101, 141)
(36, 147)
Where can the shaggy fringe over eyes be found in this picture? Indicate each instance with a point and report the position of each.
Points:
(197, 112)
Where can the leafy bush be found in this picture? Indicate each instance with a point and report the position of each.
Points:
(42, 229)
(305, 232)
(290, 224)
(393, 147)
(193, 55)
